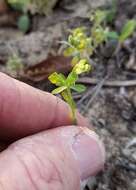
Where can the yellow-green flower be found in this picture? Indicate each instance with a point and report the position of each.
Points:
(81, 67)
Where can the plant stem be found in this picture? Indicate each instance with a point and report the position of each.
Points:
(72, 106)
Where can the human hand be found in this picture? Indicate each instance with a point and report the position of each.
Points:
(54, 155)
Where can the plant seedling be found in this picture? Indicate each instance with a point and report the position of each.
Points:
(80, 47)
(23, 22)
(14, 65)
(127, 30)
(66, 84)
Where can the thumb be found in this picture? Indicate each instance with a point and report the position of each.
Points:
(58, 159)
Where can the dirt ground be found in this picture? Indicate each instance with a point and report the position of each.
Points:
(110, 99)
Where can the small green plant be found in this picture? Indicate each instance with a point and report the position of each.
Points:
(66, 84)
(32, 6)
(80, 46)
(23, 21)
(14, 65)
(127, 30)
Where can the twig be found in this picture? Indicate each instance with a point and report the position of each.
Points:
(87, 94)
(98, 88)
(115, 83)
(77, 96)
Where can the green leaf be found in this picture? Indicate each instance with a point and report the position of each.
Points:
(78, 88)
(110, 16)
(111, 13)
(99, 16)
(19, 5)
(24, 23)
(59, 90)
(57, 79)
(71, 79)
(127, 30)
(112, 35)
(62, 77)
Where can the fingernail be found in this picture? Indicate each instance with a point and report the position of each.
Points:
(89, 153)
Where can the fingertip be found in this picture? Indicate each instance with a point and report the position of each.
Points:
(85, 146)
(89, 152)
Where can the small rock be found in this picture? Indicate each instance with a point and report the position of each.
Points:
(98, 3)
(132, 97)
(130, 150)
(131, 64)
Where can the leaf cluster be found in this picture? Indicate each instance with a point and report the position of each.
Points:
(81, 45)
(127, 31)
(101, 34)
(64, 83)
(33, 6)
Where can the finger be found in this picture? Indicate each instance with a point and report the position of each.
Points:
(25, 110)
(56, 159)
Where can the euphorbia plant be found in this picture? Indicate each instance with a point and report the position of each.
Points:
(81, 46)
(66, 84)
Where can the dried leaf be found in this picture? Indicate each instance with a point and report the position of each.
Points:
(41, 71)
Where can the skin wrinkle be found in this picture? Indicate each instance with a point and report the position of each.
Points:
(58, 178)
(54, 174)
(54, 169)
(40, 161)
(28, 173)
(60, 156)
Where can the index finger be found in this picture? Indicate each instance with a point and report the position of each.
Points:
(25, 110)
